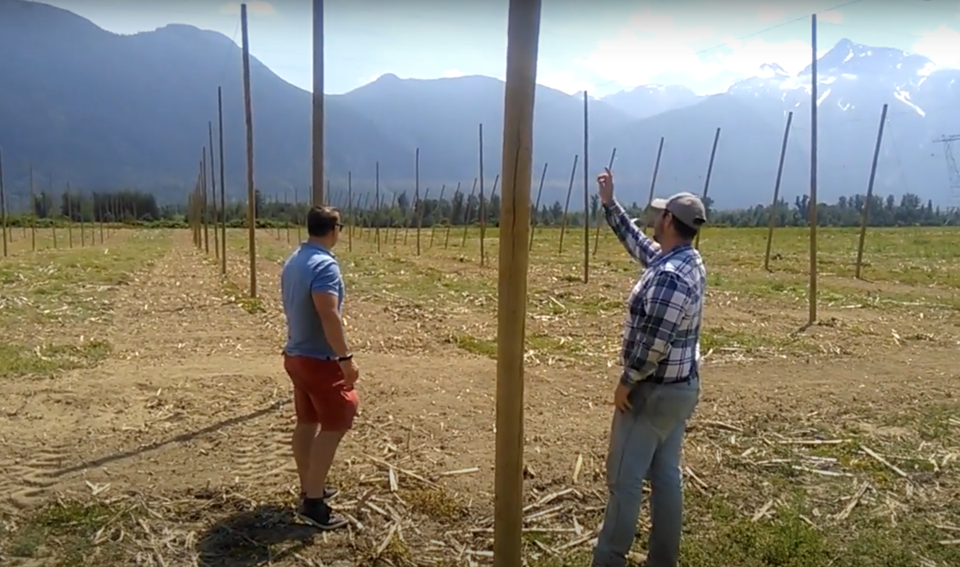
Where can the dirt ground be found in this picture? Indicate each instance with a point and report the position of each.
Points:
(179, 438)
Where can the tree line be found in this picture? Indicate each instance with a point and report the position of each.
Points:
(137, 207)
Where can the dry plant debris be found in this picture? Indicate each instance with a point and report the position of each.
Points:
(810, 447)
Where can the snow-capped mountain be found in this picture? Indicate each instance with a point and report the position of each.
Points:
(854, 81)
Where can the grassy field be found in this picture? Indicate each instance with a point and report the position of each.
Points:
(147, 412)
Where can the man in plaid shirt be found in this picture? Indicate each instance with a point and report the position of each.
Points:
(659, 387)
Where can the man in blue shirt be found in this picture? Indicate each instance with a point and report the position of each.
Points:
(318, 362)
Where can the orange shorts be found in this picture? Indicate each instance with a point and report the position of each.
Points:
(317, 397)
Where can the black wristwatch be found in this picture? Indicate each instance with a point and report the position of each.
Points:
(345, 358)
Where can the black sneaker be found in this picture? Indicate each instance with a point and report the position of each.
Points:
(329, 493)
(317, 513)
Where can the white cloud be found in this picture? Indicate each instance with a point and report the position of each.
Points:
(564, 81)
(650, 46)
(453, 74)
(941, 45)
(830, 17)
(258, 7)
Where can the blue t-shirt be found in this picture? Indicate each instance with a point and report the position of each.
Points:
(310, 269)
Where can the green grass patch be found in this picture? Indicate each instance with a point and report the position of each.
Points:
(716, 533)
(43, 361)
(475, 345)
(242, 299)
(64, 534)
(723, 339)
(73, 283)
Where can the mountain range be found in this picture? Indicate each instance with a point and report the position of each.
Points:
(106, 111)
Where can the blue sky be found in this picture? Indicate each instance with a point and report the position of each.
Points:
(603, 46)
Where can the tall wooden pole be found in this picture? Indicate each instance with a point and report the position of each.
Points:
(276, 208)
(286, 211)
(376, 217)
(349, 211)
(69, 205)
(586, 189)
(204, 211)
(596, 233)
(296, 214)
(251, 192)
(536, 208)
(416, 197)
(446, 238)
(653, 178)
(318, 88)
(213, 194)
(50, 214)
(483, 207)
(433, 224)
(3, 208)
(656, 173)
(395, 207)
(418, 210)
(566, 206)
(706, 182)
(466, 213)
(813, 173)
(115, 212)
(83, 236)
(100, 211)
(33, 215)
(772, 221)
(223, 186)
(197, 210)
(865, 213)
(522, 46)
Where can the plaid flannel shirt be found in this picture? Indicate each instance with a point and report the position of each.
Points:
(661, 338)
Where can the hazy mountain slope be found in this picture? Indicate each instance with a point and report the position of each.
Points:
(107, 111)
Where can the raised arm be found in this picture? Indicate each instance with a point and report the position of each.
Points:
(638, 245)
(633, 239)
(650, 337)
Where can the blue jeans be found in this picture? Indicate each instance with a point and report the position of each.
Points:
(645, 443)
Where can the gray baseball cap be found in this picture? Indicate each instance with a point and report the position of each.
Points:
(686, 207)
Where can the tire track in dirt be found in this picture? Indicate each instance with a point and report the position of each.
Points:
(190, 381)
(27, 479)
(220, 370)
(264, 453)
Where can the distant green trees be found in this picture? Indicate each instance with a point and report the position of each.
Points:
(121, 206)
(461, 208)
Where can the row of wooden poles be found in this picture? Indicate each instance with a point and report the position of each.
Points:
(7, 235)
(204, 210)
(522, 52)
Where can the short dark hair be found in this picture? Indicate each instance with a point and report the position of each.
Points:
(684, 230)
(321, 221)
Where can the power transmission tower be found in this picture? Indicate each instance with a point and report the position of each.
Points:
(953, 170)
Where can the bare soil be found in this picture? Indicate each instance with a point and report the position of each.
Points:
(184, 429)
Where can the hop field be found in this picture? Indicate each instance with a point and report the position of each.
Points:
(145, 413)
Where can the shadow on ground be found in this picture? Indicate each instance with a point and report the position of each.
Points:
(261, 536)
